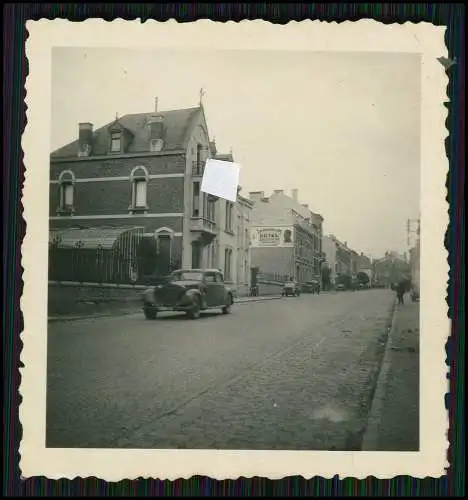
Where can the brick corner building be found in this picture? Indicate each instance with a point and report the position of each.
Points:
(129, 195)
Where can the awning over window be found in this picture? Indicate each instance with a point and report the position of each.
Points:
(96, 237)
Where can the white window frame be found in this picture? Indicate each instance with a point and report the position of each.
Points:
(66, 180)
(116, 135)
(138, 175)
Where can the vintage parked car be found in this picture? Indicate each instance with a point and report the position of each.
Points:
(291, 287)
(312, 286)
(191, 291)
(340, 287)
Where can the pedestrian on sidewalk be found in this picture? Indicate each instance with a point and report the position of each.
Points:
(401, 290)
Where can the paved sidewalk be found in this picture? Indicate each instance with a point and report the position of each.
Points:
(393, 423)
(132, 309)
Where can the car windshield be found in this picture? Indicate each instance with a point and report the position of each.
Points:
(187, 276)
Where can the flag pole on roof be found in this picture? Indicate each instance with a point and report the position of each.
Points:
(202, 93)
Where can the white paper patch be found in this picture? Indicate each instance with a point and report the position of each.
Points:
(221, 178)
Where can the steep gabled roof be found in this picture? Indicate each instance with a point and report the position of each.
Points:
(177, 124)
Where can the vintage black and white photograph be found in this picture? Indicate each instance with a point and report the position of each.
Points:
(284, 319)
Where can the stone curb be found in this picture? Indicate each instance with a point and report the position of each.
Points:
(54, 319)
(371, 434)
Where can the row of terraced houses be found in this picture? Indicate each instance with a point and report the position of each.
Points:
(126, 204)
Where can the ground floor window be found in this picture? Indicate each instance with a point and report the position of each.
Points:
(227, 264)
(196, 250)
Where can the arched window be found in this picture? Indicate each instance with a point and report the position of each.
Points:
(139, 179)
(66, 202)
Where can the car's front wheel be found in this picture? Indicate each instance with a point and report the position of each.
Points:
(194, 312)
(227, 308)
(150, 313)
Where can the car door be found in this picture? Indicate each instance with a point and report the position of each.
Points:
(211, 289)
(221, 290)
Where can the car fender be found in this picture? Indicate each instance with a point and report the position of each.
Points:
(192, 293)
(148, 294)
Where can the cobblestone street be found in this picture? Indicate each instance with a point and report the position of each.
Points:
(292, 373)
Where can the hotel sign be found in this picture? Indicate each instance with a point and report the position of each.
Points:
(272, 237)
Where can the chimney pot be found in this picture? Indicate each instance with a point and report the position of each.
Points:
(295, 194)
(257, 194)
(85, 126)
(155, 104)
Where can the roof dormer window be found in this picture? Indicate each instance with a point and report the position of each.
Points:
(116, 142)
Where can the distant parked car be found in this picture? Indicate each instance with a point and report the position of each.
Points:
(340, 287)
(191, 291)
(291, 287)
(312, 286)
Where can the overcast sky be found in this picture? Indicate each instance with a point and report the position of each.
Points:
(341, 127)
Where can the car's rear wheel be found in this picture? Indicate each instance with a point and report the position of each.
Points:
(227, 308)
(194, 312)
(150, 313)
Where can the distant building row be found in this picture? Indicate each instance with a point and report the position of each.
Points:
(343, 260)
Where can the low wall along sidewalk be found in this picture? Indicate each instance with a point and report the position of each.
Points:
(81, 299)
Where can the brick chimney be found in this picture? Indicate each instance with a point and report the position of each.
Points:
(295, 195)
(85, 138)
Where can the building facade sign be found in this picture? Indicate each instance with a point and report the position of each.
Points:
(272, 237)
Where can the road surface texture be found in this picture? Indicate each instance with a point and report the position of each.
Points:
(292, 373)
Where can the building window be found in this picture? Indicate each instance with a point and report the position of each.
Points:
(196, 199)
(210, 209)
(199, 161)
(66, 202)
(227, 263)
(140, 193)
(116, 142)
(139, 181)
(228, 224)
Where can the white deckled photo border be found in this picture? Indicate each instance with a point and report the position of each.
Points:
(118, 464)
